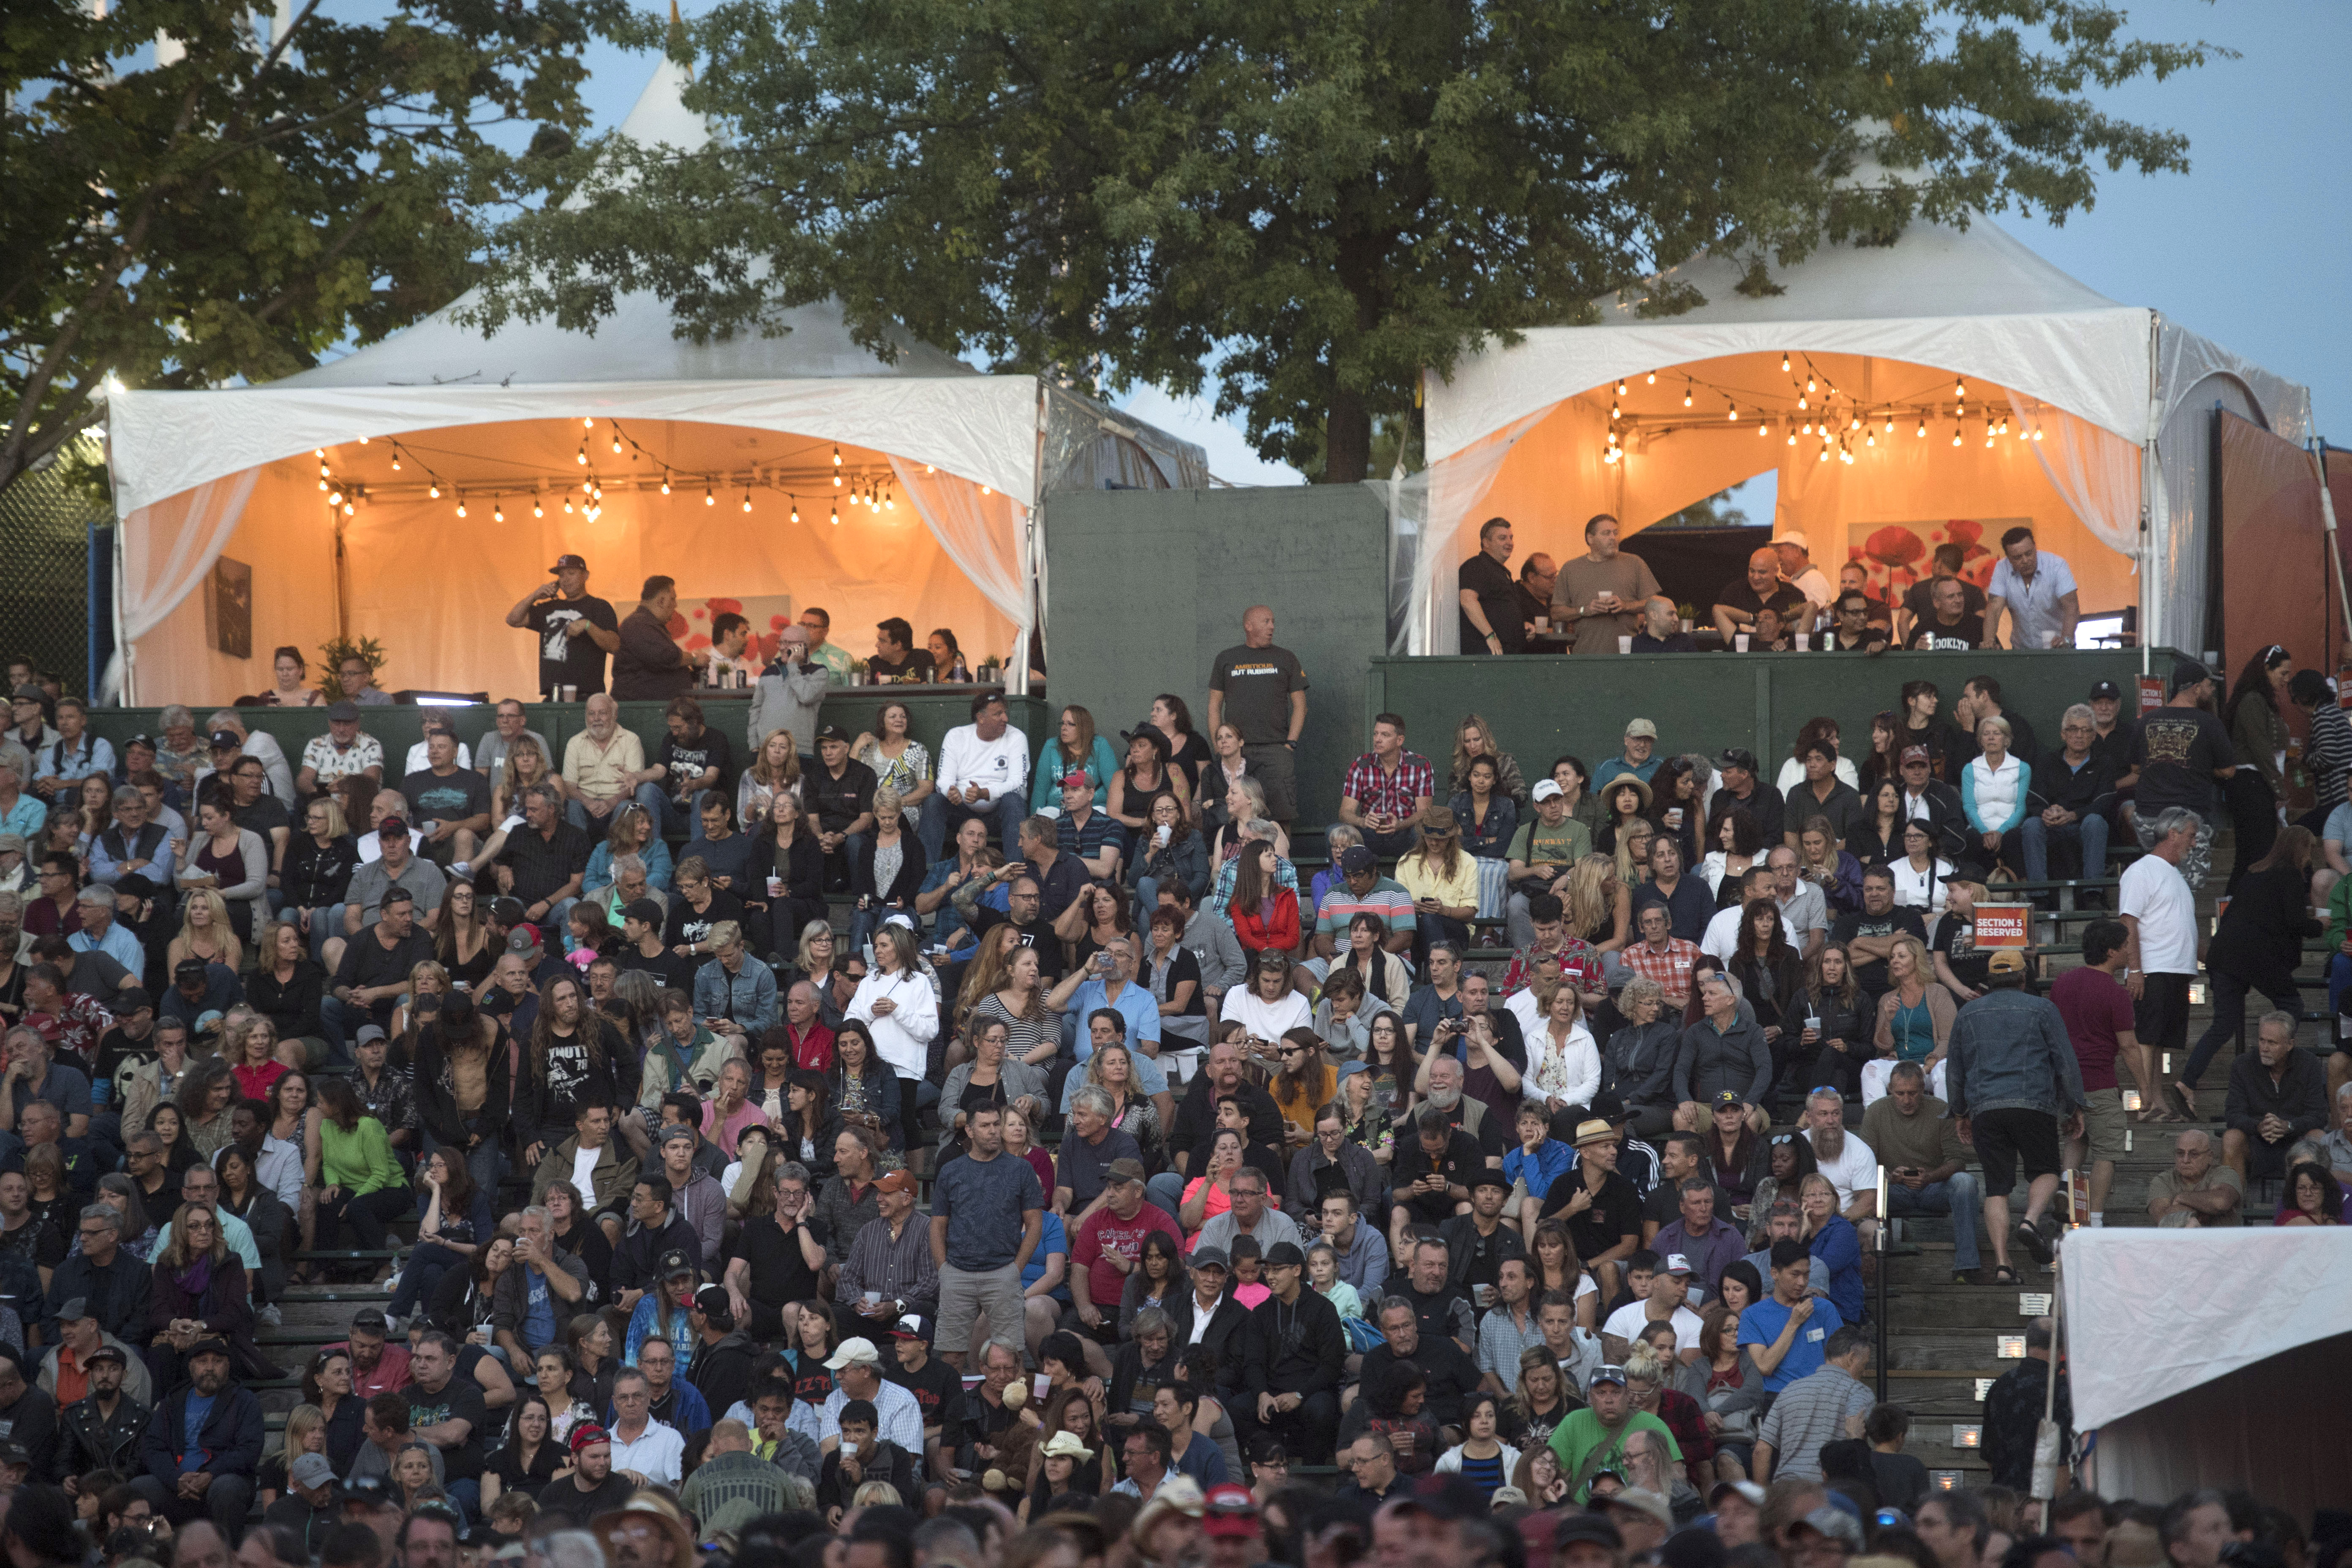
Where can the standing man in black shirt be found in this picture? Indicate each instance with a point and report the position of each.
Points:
(2181, 753)
(1491, 622)
(575, 630)
(1295, 1357)
(1261, 691)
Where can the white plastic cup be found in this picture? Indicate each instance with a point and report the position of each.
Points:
(1804, 642)
(570, 693)
(1740, 641)
(1624, 645)
(775, 887)
(1543, 623)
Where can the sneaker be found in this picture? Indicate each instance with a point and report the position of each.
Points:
(270, 1314)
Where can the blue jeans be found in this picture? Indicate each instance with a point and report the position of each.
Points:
(1166, 1190)
(339, 1020)
(648, 795)
(2339, 981)
(941, 817)
(326, 920)
(428, 1262)
(671, 820)
(2090, 835)
(1961, 1197)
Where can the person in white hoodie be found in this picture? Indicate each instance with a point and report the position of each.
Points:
(899, 1004)
(983, 773)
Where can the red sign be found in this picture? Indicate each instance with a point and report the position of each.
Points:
(2151, 693)
(2004, 925)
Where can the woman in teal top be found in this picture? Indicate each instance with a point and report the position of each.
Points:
(1915, 1016)
(363, 1183)
(1076, 750)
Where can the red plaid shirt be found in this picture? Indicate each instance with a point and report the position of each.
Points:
(1575, 959)
(1670, 969)
(1390, 794)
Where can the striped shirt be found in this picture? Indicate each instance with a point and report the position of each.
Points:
(1811, 1411)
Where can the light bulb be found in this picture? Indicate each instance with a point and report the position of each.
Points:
(2037, 432)
(1825, 453)
(929, 470)
(616, 445)
(1871, 440)
(1923, 429)
(598, 490)
(986, 491)
(1653, 378)
(321, 452)
(1890, 425)
(567, 506)
(582, 457)
(796, 509)
(1687, 397)
(1763, 427)
(363, 440)
(1959, 388)
(837, 456)
(1792, 438)
(434, 490)
(1731, 413)
(1621, 386)
(1808, 384)
(348, 509)
(708, 499)
(1809, 427)
(324, 485)
(1784, 362)
(664, 482)
(334, 498)
(835, 519)
(747, 499)
(1956, 435)
(461, 503)
(538, 508)
(1613, 411)
(497, 508)
(837, 481)
(322, 470)
(395, 459)
(587, 423)
(890, 504)
(1857, 422)
(1801, 401)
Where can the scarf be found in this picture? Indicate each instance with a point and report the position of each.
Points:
(196, 1279)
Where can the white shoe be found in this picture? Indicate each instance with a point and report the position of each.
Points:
(270, 1314)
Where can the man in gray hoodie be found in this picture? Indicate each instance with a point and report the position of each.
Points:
(2016, 1088)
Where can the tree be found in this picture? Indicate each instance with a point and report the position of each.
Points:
(1314, 202)
(246, 202)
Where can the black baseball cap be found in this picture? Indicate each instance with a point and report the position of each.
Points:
(569, 563)
(2106, 690)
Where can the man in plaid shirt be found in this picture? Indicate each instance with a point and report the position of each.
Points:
(1553, 948)
(1662, 956)
(1387, 789)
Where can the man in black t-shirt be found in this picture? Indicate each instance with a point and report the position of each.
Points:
(1737, 600)
(1602, 1210)
(1949, 626)
(1430, 1179)
(1868, 934)
(777, 1258)
(1919, 599)
(840, 795)
(592, 1487)
(574, 628)
(694, 759)
(2182, 752)
(449, 803)
(449, 1412)
(1262, 690)
(937, 1389)
(641, 948)
(1491, 621)
(895, 657)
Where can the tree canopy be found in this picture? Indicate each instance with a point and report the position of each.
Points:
(1314, 202)
(233, 202)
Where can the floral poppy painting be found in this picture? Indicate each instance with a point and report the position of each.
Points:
(1897, 556)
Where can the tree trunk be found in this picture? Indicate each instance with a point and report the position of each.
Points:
(1347, 439)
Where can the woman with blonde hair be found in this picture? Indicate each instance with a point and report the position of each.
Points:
(305, 1433)
(1032, 1033)
(257, 1058)
(1600, 903)
(1111, 1069)
(1472, 739)
(1915, 1021)
(1629, 860)
(526, 764)
(815, 960)
(1245, 801)
(775, 771)
(1564, 1064)
(1443, 881)
(206, 931)
(885, 867)
(425, 978)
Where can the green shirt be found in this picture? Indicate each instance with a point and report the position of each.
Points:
(1574, 1438)
(361, 1160)
(1535, 845)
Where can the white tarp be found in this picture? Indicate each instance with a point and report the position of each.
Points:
(1523, 426)
(2201, 1358)
(186, 465)
(2151, 1313)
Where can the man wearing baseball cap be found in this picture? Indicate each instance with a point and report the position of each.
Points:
(938, 1387)
(210, 1476)
(1292, 1365)
(2016, 1088)
(1229, 1519)
(575, 630)
(890, 1268)
(308, 1506)
(1593, 1439)
(857, 1369)
(101, 1430)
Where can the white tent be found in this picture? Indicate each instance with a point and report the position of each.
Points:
(516, 423)
(2202, 1358)
(1943, 317)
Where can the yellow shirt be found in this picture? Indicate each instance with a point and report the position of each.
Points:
(1419, 878)
(595, 771)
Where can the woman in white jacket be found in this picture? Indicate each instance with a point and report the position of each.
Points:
(1563, 1062)
(900, 1006)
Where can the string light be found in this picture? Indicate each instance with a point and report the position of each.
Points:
(1621, 386)
(1784, 363)
(1792, 438)
(497, 508)
(1959, 388)
(1653, 378)
(1825, 453)
(836, 455)
(746, 498)
(538, 508)
(1613, 412)
(1988, 432)
(2037, 432)
(1890, 424)
(665, 481)
(348, 509)
(434, 490)
(1801, 402)
(587, 423)
(395, 457)
(461, 503)
(1808, 384)
(617, 441)
(582, 455)
(335, 498)
(1687, 396)
(1763, 426)
(321, 453)
(836, 479)
(708, 498)
(796, 509)
(1731, 411)
(1956, 433)
(986, 491)
(1870, 438)
(1923, 426)
(835, 519)
(567, 506)
(1809, 427)
(363, 440)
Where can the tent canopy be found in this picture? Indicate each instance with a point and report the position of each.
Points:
(1896, 330)
(503, 420)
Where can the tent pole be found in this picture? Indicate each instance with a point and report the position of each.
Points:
(122, 648)
(2327, 529)
(2148, 471)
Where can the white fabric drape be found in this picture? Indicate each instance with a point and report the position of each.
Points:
(1430, 529)
(986, 535)
(168, 547)
(2096, 471)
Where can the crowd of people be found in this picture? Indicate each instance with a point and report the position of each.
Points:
(1115, 1161)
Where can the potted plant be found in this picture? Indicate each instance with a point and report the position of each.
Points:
(335, 650)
